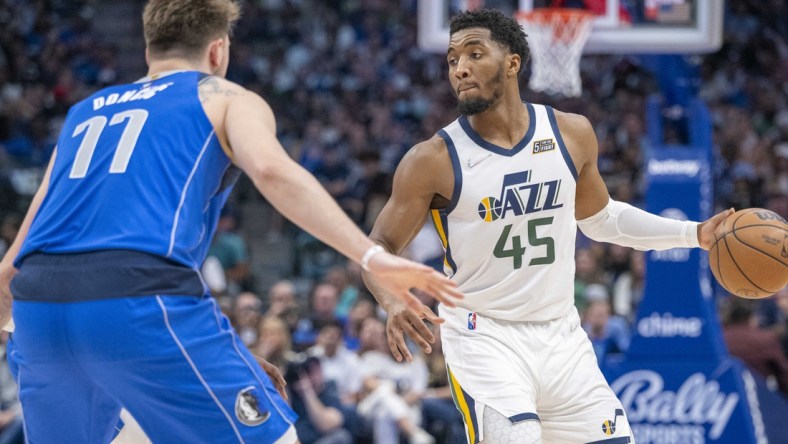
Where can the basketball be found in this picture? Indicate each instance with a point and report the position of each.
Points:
(749, 257)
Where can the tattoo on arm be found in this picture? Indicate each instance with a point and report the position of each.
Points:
(210, 86)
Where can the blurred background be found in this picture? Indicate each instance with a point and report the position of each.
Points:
(352, 92)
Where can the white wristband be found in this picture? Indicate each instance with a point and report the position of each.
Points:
(373, 250)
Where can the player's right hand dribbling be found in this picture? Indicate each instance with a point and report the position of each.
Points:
(398, 276)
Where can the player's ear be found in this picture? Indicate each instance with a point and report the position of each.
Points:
(147, 56)
(513, 62)
(216, 54)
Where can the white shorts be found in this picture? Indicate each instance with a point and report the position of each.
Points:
(544, 371)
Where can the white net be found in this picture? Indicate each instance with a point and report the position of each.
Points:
(556, 38)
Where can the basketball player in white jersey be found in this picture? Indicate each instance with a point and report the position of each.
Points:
(155, 325)
(507, 184)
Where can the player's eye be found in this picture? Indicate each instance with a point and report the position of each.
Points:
(452, 61)
(476, 55)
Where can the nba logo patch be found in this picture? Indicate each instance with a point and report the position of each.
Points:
(472, 321)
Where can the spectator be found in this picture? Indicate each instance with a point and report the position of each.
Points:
(324, 300)
(339, 277)
(245, 316)
(759, 348)
(628, 287)
(273, 342)
(587, 271)
(365, 307)
(608, 334)
(333, 172)
(317, 404)
(365, 187)
(392, 391)
(340, 365)
(283, 303)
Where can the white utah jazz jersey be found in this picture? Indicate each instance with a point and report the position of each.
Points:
(509, 231)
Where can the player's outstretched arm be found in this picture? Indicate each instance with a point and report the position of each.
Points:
(250, 129)
(7, 269)
(603, 219)
(423, 175)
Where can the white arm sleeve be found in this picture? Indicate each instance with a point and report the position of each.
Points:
(623, 224)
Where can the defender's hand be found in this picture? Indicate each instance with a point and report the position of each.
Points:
(404, 319)
(398, 275)
(276, 376)
(706, 229)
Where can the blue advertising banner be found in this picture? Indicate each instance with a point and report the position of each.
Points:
(677, 383)
(687, 402)
(677, 317)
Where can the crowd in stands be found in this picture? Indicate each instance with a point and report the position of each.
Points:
(352, 93)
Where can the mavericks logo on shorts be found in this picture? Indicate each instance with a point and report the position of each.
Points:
(247, 409)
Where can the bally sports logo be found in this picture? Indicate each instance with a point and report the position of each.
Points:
(519, 196)
(654, 412)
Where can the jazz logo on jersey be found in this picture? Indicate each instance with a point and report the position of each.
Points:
(540, 146)
(519, 196)
(247, 409)
(472, 320)
(608, 426)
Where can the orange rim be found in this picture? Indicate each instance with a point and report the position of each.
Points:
(547, 14)
(566, 22)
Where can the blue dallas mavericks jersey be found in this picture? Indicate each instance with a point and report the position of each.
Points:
(139, 168)
(109, 305)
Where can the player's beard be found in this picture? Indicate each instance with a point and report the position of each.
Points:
(477, 105)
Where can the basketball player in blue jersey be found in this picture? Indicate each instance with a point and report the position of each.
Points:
(110, 309)
(507, 184)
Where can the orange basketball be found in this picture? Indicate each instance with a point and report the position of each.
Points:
(749, 256)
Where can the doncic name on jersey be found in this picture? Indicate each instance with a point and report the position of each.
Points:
(144, 93)
(520, 196)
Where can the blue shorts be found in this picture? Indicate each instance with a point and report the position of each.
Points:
(173, 361)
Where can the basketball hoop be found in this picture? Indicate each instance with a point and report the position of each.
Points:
(556, 37)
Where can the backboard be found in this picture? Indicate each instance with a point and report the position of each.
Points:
(621, 26)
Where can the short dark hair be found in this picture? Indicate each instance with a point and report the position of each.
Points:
(503, 29)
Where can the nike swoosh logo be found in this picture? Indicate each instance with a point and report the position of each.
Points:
(472, 164)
